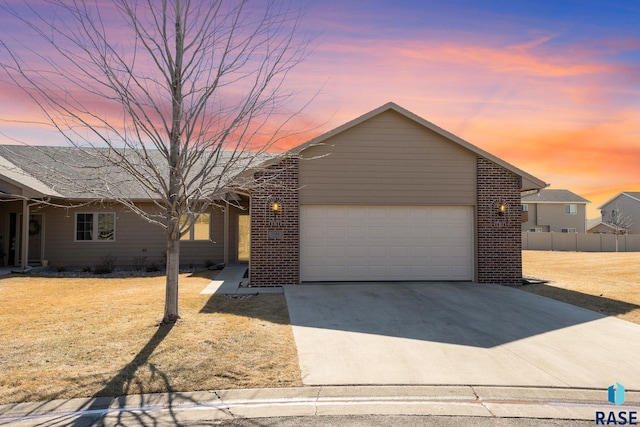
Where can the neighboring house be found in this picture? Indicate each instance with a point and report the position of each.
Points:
(560, 211)
(388, 196)
(596, 226)
(626, 204)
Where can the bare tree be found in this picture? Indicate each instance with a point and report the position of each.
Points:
(619, 221)
(174, 96)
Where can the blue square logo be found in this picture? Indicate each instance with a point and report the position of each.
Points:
(616, 394)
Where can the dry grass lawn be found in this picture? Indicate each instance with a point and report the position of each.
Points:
(606, 282)
(66, 338)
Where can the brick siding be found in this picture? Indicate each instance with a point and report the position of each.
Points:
(275, 242)
(499, 238)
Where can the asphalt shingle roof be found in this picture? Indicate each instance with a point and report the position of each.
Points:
(553, 196)
(75, 173)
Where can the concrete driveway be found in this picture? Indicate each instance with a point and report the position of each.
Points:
(456, 333)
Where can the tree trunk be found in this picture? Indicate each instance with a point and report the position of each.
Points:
(171, 314)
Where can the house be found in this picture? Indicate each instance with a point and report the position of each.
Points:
(620, 214)
(596, 226)
(387, 196)
(560, 211)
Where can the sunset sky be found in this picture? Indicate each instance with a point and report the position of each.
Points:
(552, 87)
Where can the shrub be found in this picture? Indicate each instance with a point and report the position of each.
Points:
(106, 266)
(140, 263)
(153, 268)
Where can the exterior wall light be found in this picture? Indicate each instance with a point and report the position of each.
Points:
(274, 207)
(501, 208)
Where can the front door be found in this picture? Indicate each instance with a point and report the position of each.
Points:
(36, 239)
(244, 237)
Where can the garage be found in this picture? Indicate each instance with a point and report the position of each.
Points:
(386, 243)
(388, 196)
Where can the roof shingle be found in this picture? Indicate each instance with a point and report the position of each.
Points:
(553, 196)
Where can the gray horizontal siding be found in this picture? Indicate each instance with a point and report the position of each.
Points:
(134, 238)
(388, 159)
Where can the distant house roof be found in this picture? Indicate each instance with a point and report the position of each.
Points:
(634, 195)
(553, 196)
(597, 222)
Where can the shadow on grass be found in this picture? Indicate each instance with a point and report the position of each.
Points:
(600, 304)
(94, 411)
(112, 401)
(268, 307)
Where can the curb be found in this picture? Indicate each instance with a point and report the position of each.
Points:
(474, 401)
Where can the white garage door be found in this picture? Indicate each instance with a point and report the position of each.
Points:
(345, 243)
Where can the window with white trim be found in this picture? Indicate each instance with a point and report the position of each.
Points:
(525, 208)
(571, 209)
(95, 227)
(199, 228)
(568, 230)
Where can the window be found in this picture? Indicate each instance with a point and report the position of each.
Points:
(91, 227)
(571, 209)
(536, 230)
(199, 228)
(525, 208)
(568, 230)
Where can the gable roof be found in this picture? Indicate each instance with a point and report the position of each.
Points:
(593, 224)
(553, 196)
(633, 195)
(596, 222)
(529, 182)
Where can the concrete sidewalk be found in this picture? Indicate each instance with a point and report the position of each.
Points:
(196, 407)
(231, 280)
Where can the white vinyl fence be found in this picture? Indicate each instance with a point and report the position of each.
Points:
(579, 242)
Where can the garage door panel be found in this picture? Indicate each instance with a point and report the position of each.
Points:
(419, 270)
(458, 252)
(357, 271)
(377, 252)
(398, 232)
(335, 251)
(459, 271)
(398, 270)
(377, 232)
(418, 252)
(346, 243)
(398, 251)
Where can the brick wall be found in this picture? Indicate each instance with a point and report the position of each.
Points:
(275, 245)
(499, 240)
